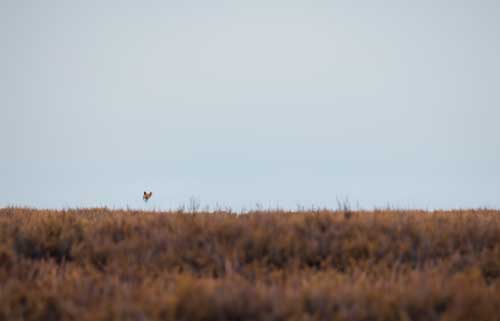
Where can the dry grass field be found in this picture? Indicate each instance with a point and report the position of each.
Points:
(100, 264)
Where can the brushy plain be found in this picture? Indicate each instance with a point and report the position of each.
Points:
(101, 264)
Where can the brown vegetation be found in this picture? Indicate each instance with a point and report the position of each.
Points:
(99, 264)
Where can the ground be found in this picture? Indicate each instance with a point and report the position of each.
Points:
(100, 264)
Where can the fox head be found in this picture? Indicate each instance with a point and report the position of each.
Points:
(146, 196)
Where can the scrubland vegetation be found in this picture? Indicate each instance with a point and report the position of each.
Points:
(99, 264)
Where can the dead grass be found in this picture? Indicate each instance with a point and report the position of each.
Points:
(98, 264)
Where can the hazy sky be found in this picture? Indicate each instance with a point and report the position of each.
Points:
(244, 102)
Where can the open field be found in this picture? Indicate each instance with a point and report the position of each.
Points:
(99, 264)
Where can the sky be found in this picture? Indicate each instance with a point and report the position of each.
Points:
(246, 104)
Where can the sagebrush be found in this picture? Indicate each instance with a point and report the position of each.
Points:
(100, 264)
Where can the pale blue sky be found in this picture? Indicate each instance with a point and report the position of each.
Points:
(244, 102)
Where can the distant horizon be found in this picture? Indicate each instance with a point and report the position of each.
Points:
(212, 208)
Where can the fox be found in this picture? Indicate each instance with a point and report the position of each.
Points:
(146, 196)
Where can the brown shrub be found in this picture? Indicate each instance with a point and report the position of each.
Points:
(97, 264)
